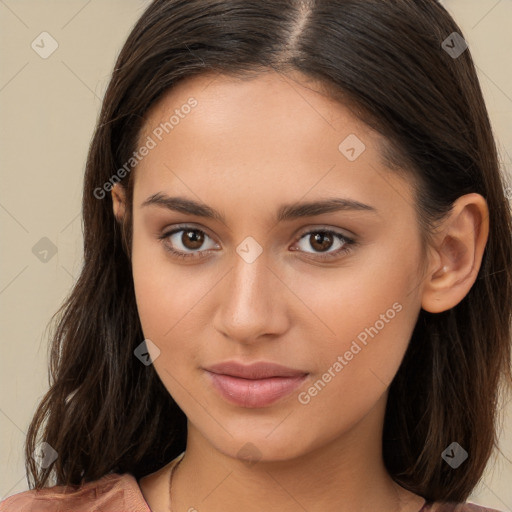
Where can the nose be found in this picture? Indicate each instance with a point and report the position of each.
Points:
(252, 301)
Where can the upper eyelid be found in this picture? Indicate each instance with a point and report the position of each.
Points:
(184, 227)
(327, 229)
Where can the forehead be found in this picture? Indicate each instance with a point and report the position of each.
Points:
(270, 136)
(254, 102)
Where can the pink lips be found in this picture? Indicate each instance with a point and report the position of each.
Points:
(256, 385)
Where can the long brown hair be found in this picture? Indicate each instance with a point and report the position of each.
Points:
(106, 412)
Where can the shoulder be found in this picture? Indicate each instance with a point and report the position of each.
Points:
(455, 507)
(111, 493)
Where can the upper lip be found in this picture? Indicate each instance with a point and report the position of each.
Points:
(258, 370)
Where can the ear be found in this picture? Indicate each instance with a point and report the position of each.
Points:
(456, 254)
(119, 202)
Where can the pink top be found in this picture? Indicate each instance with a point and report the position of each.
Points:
(121, 493)
(111, 493)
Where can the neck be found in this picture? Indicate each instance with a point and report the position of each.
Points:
(345, 475)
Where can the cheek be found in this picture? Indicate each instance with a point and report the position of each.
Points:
(365, 311)
(165, 300)
(355, 368)
(361, 290)
(164, 292)
(170, 300)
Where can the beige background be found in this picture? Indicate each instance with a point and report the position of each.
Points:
(48, 108)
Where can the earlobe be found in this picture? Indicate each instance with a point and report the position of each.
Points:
(459, 249)
(118, 202)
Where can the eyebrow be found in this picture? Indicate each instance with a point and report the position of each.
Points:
(286, 212)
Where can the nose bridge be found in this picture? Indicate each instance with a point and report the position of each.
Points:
(249, 288)
(247, 310)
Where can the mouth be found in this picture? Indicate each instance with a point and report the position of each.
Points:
(257, 385)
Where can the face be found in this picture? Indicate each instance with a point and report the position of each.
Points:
(328, 290)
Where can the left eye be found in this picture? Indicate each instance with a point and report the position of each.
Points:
(323, 240)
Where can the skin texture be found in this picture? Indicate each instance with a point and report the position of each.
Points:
(247, 148)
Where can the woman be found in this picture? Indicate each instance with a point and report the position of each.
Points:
(297, 270)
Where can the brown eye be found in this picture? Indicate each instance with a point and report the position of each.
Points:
(192, 239)
(321, 241)
(187, 242)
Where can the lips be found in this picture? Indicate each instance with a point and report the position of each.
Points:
(256, 385)
(259, 370)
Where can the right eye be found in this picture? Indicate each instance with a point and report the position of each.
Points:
(183, 239)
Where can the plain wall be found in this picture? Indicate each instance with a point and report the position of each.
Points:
(48, 109)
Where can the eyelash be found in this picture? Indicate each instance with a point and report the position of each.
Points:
(347, 247)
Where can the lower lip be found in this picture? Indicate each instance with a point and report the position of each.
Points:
(254, 392)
